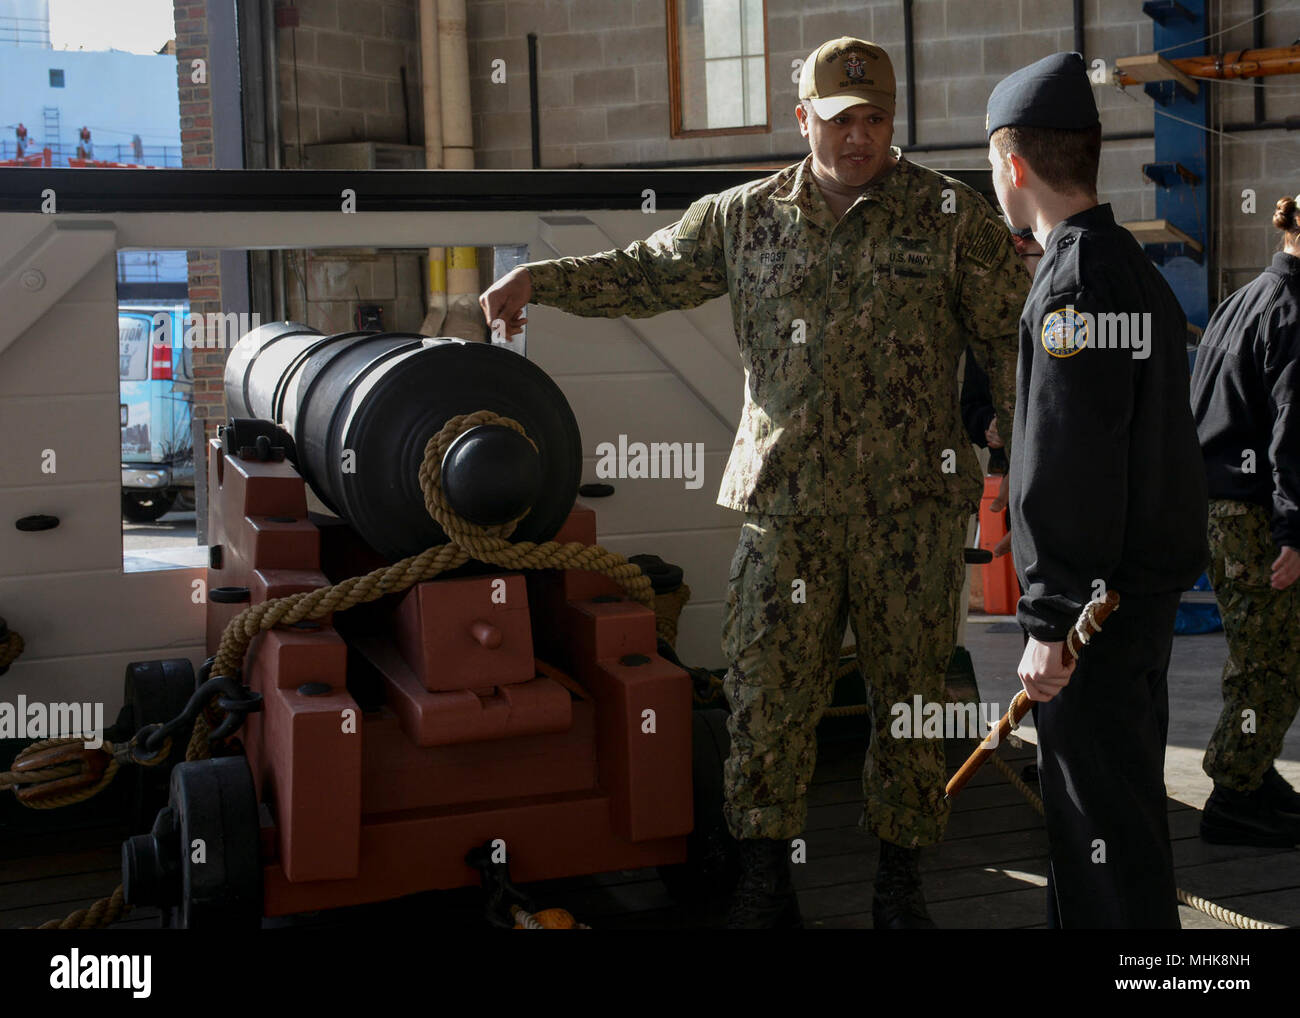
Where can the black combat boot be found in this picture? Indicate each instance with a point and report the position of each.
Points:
(764, 897)
(1248, 818)
(1279, 794)
(899, 903)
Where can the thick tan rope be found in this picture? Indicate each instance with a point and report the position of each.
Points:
(668, 612)
(105, 911)
(10, 647)
(848, 711)
(853, 709)
(465, 541)
(199, 748)
(1224, 915)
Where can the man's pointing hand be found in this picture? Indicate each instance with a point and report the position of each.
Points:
(504, 302)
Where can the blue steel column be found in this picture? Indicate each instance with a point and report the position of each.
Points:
(1183, 203)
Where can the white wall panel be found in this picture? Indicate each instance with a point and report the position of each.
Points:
(674, 378)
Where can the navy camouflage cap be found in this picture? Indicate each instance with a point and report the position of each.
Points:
(1054, 92)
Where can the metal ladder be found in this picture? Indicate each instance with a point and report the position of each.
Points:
(52, 133)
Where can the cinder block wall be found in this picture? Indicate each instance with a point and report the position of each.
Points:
(340, 73)
(331, 280)
(340, 81)
(1266, 161)
(603, 88)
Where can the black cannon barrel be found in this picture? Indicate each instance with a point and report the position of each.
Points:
(361, 406)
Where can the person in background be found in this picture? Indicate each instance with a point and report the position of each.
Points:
(977, 412)
(1244, 396)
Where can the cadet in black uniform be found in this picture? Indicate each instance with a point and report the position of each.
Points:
(1107, 492)
(1245, 396)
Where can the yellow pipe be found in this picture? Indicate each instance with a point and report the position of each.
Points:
(431, 92)
(464, 318)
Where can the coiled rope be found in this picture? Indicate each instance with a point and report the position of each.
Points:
(465, 541)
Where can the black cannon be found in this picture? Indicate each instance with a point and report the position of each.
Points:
(358, 408)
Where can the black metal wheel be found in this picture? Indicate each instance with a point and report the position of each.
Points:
(201, 864)
(155, 692)
(712, 861)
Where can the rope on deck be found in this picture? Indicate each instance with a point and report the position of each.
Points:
(1223, 915)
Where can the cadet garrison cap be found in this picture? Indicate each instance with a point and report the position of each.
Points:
(847, 72)
(1054, 92)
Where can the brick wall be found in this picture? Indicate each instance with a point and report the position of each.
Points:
(191, 22)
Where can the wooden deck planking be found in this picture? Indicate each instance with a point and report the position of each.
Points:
(989, 873)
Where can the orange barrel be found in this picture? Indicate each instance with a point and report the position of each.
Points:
(1001, 590)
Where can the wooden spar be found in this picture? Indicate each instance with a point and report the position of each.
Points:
(1246, 63)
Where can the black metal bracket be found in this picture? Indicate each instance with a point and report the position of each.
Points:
(501, 893)
(236, 699)
(252, 439)
(1165, 92)
(1168, 175)
(1161, 253)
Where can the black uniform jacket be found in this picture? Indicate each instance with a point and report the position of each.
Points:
(1244, 393)
(1107, 481)
(977, 410)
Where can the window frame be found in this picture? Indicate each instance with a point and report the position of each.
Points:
(676, 111)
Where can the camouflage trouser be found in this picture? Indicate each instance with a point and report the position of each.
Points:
(1262, 674)
(794, 582)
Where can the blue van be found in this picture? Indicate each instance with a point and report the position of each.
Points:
(157, 404)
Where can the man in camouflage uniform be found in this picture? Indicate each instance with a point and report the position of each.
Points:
(856, 279)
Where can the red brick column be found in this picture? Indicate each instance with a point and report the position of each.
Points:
(196, 153)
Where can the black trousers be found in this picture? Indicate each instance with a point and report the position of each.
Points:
(1101, 754)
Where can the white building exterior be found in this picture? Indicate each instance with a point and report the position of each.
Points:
(54, 93)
